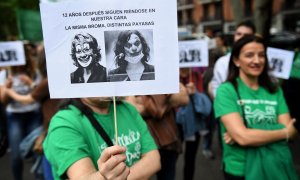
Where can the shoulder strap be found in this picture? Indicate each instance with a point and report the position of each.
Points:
(89, 114)
(241, 104)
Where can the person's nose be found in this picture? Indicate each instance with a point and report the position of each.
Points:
(81, 55)
(134, 48)
(257, 59)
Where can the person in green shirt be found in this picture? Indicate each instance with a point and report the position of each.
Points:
(260, 101)
(75, 150)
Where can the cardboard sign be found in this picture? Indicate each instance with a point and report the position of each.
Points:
(193, 53)
(280, 62)
(12, 53)
(111, 47)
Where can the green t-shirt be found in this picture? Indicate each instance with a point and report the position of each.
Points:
(72, 137)
(260, 107)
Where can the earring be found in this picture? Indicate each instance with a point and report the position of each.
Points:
(237, 65)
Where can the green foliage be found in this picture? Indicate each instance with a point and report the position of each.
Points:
(8, 18)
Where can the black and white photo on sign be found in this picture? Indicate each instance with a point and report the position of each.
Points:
(110, 48)
(280, 62)
(193, 53)
(86, 57)
(12, 53)
(129, 55)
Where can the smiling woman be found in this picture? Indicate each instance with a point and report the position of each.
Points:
(251, 60)
(86, 56)
(254, 118)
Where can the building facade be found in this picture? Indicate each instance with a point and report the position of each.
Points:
(202, 16)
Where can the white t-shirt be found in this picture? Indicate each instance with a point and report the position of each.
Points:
(220, 73)
(23, 89)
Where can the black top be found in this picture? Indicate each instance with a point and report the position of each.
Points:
(98, 75)
(120, 74)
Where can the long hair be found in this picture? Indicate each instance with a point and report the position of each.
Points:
(264, 79)
(42, 63)
(29, 68)
(93, 44)
(122, 40)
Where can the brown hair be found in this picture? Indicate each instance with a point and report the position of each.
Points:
(29, 68)
(264, 80)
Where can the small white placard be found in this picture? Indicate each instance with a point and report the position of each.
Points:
(12, 53)
(280, 62)
(193, 53)
(2, 77)
(69, 26)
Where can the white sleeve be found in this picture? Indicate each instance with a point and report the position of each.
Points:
(220, 73)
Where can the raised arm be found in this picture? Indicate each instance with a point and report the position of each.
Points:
(181, 98)
(111, 166)
(4, 97)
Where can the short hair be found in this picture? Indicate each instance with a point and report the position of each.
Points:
(249, 24)
(93, 44)
(264, 80)
(122, 40)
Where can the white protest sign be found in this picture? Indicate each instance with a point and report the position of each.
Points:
(2, 77)
(12, 53)
(137, 41)
(280, 62)
(193, 53)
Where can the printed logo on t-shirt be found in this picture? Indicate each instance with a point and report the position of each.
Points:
(130, 140)
(260, 111)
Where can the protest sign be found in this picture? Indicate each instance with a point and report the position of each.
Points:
(115, 36)
(295, 71)
(193, 53)
(2, 77)
(280, 62)
(12, 53)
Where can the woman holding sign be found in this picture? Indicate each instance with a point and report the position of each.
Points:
(255, 120)
(131, 57)
(86, 56)
(76, 149)
(21, 118)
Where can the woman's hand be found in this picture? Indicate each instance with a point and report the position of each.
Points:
(191, 88)
(26, 79)
(8, 82)
(8, 91)
(228, 139)
(291, 130)
(38, 145)
(112, 163)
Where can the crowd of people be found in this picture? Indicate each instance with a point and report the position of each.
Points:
(75, 138)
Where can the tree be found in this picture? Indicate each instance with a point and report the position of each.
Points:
(8, 20)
